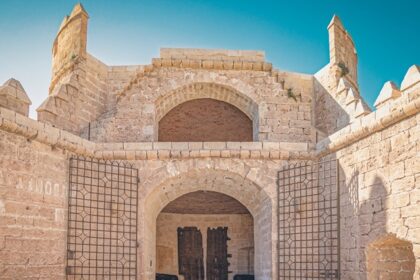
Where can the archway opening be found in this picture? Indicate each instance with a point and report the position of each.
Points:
(205, 235)
(232, 184)
(390, 258)
(205, 119)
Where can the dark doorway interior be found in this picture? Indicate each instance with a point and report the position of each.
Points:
(217, 254)
(190, 253)
(204, 235)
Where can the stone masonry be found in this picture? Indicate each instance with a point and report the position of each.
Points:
(114, 113)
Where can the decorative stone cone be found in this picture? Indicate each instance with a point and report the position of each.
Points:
(343, 84)
(411, 78)
(351, 96)
(13, 87)
(361, 108)
(389, 91)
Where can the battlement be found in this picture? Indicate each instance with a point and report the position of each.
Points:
(212, 54)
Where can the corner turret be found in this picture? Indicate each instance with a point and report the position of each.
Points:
(69, 46)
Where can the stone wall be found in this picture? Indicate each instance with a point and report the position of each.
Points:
(383, 164)
(378, 161)
(33, 206)
(380, 188)
(240, 231)
(262, 95)
(242, 174)
(248, 178)
(78, 98)
(118, 78)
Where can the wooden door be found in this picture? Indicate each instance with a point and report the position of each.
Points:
(190, 253)
(217, 256)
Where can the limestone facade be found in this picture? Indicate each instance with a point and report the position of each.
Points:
(113, 113)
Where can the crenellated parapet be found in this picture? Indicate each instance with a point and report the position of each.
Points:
(392, 106)
(410, 89)
(388, 92)
(349, 97)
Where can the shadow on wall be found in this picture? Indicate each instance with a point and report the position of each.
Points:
(329, 116)
(368, 250)
(387, 257)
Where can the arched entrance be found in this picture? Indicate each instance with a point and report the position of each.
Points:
(220, 226)
(238, 188)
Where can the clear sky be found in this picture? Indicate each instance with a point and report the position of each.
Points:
(293, 34)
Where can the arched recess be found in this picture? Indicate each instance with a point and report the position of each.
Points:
(205, 120)
(390, 258)
(253, 197)
(214, 91)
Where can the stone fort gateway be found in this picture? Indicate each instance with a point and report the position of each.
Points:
(208, 164)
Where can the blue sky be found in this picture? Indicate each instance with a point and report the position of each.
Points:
(292, 33)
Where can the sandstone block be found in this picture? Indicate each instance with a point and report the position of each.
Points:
(214, 145)
(251, 145)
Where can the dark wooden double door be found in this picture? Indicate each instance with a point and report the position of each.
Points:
(190, 253)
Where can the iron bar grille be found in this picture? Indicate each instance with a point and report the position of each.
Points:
(308, 221)
(102, 220)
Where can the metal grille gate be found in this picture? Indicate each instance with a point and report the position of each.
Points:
(308, 221)
(102, 220)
